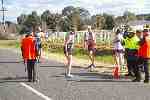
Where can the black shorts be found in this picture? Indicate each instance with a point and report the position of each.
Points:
(91, 46)
(69, 49)
(38, 45)
(92, 49)
(118, 51)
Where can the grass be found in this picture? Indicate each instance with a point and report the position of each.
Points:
(9, 44)
(78, 53)
(82, 54)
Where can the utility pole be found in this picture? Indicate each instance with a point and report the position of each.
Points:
(3, 10)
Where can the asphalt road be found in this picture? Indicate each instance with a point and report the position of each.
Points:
(54, 86)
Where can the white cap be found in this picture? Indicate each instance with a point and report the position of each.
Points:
(39, 28)
(148, 33)
(89, 27)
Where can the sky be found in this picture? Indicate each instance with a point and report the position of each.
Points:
(115, 7)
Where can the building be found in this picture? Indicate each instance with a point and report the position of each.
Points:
(139, 24)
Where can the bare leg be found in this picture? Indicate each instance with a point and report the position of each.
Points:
(92, 59)
(117, 59)
(69, 64)
(122, 60)
(67, 58)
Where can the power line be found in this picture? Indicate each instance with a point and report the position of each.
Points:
(3, 10)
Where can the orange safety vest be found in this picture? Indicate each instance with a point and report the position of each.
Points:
(144, 50)
(28, 48)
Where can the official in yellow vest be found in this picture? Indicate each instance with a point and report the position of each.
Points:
(131, 43)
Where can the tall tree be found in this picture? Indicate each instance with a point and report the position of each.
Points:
(68, 10)
(33, 20)
(98, 21)
(129, 16)
(45, 15)
(21, 19)
(119, 20)
(109, 21)
(78, 16)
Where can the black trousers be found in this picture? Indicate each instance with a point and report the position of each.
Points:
(131, 64)
(131, 60)
(146, 68)
(31, 69)
(146, 65)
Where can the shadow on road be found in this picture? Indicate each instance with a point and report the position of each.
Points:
(76, 66)
(103, 80)
(11, 62)
(108, 67)
(60, 66)
(13, 79)
(95, 77)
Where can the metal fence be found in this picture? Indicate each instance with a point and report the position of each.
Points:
(103, 37)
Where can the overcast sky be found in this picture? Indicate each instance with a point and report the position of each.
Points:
(115, 7)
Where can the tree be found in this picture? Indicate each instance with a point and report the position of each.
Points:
(83, 17)
(51, 19)
(45, 15)
(21, 19)
(147, 17)
(28, 22)
(128, 16)
(76, 17)
(119, 20)
(98, 21)
(33, 20)
(68, 10)
(109, 22)
(64, 24)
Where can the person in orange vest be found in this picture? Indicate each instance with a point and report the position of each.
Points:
(29, 53)
(144, 57)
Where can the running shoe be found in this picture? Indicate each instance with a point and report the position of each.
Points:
(89, 66)
(69, 76)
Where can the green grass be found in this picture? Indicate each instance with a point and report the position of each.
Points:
(105, 59)
(78, 52)
(82, 54)
(99, 58)
(9, 44)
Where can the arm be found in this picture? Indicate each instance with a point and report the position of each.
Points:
(94, 37)
(67, 39)
(85, 42)
(42, 36)
(22, 52)
(21, 47)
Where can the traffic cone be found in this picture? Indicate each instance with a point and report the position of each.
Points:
(116, 72)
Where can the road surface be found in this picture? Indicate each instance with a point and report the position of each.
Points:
(54, 86)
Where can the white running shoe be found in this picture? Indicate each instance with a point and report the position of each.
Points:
(69, 75)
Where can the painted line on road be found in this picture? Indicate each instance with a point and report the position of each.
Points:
(35, 91)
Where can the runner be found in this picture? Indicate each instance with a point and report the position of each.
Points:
(119, 50)
(39, 36)
(68, 48)
(90, 45)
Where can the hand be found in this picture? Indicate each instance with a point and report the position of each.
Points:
(86, 47)
(24, 61)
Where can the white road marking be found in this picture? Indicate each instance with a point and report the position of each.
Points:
(35, 91)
